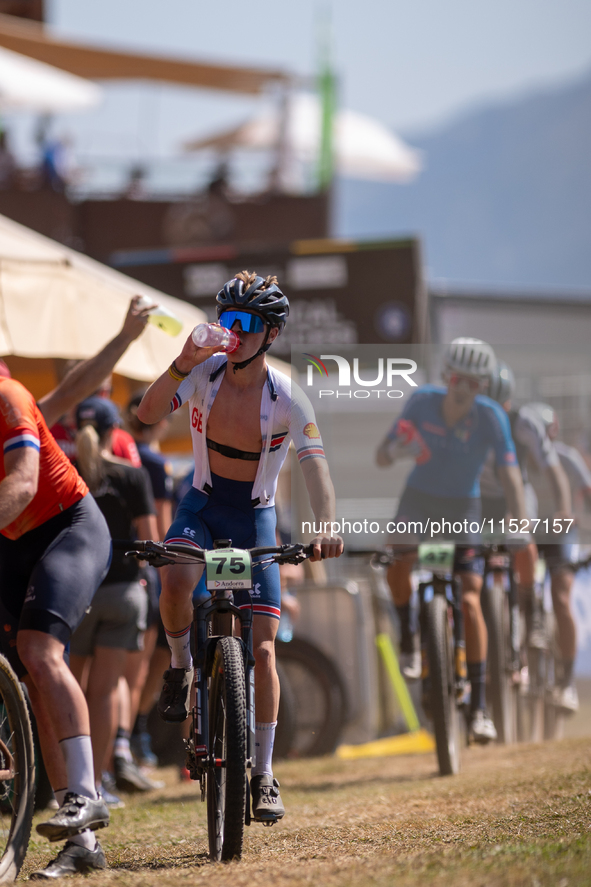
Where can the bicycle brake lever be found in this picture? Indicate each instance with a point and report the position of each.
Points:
(162, 561)
(155, 560)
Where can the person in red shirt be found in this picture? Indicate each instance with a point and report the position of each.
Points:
(54, 552)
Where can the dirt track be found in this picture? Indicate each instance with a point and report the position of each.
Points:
(514, 816)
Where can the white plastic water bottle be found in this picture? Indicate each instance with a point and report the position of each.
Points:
(161, 317)
(210, 335)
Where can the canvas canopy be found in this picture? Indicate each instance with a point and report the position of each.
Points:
(55, 302)
(26, 84)
(99, 63)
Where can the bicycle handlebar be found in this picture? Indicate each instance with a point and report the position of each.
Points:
(150, 550)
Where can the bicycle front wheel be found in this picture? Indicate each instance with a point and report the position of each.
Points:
(17, 774)
(226, 776)
(444, 710)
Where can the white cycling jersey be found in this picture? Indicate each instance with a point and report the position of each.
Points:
(286, 414)
(575, 467)
(531, 440)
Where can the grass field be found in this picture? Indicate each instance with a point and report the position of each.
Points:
(517, 815)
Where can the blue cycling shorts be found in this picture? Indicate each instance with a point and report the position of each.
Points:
(418, 507)
(227, 513)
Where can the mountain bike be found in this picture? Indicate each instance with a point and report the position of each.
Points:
(17, 774)
(221, 745)
(443, 650)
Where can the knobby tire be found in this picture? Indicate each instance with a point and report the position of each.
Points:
(502, 695)
(226, 785)
(17, 793)
(444, 711)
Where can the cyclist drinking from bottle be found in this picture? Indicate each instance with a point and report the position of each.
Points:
(450, 431)
(243, 415)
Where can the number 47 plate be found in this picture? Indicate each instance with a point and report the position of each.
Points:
(228, 568)
(437, 556)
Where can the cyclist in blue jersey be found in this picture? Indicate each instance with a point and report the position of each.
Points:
(449, 431)
(243, 415)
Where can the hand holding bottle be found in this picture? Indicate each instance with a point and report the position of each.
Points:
(210, 335)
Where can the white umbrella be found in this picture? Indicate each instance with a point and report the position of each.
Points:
(55, 302)
(364, 148)
(26, 84)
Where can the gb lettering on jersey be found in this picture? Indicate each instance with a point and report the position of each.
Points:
(197, 420)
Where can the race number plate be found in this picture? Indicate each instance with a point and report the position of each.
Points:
(228, 568)
(437, 557)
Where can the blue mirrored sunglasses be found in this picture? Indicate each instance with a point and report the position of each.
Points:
(250, 323)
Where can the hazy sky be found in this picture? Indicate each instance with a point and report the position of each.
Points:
(412, 65)
(409, 64)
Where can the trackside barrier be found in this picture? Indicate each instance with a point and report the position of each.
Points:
(338, 618)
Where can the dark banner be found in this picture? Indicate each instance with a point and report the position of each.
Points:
(339, 291)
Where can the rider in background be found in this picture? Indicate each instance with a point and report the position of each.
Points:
(450, 431)
(559, 556)
(532, 444)
(529, 426)
(243, 415)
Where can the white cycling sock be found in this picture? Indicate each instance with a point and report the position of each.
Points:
(180, 647)
(264, 738)
(77, 752)
(87, 839)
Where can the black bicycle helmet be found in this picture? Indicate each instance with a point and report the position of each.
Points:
(260, 297)
(501, 386)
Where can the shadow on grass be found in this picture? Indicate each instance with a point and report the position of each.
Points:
(309, 788)
(177, 801)
(188, 860)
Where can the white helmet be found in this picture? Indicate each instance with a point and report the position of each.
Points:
(545, 412)
(471, 357)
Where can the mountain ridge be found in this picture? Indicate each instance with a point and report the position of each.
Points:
(504, 196)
